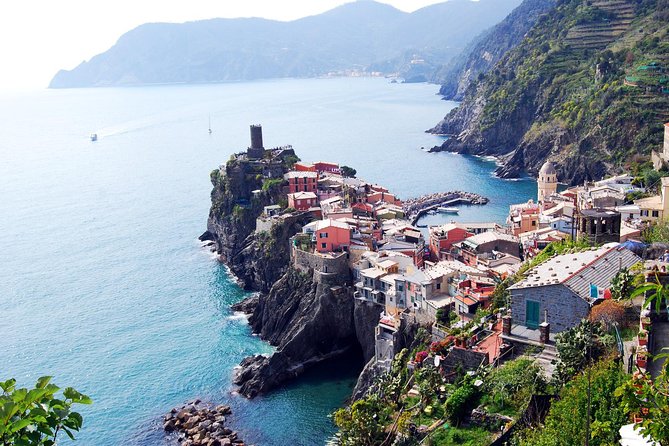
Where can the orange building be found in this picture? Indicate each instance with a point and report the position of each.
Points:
(332, 235)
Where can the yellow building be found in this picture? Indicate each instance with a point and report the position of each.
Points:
(656, 207)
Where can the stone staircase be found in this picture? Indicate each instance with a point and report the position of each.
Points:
(545, 360)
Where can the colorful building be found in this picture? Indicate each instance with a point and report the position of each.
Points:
(302, 201)
(301, 181)
(443, 237)
(332, 235)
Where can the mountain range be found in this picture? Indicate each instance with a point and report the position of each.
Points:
(361, 36)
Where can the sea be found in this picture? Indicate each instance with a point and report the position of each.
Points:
(103, 283)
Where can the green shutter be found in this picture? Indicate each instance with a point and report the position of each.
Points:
(532, 314)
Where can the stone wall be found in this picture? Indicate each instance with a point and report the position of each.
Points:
(323, 266)
(463, 358)
(565, 309)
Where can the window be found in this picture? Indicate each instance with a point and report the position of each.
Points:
(324, 245)
(323, 235)
(438, 285)
(656, 214)
(534, 223)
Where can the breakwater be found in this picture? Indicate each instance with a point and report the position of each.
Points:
(415, 208)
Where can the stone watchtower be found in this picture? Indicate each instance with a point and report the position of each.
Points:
(256, 150)
(547, 181)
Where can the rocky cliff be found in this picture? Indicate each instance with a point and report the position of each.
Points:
(488, 48)
(257, 259)
(309, 315)
(586, 88)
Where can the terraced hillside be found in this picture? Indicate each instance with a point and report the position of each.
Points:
(603, 22)
(587, 88)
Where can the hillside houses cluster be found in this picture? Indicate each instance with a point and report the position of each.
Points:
(361, 235)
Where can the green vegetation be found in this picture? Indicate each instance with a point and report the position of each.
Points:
(650, 399)
(390, 412)
(564, 85)
(578, 347)
(510, 387)
(555, 248)
(290, 161)
(465, 437)
(35, 417)
(348, 172)
(657, 232)
(566, 423)
(270, 183)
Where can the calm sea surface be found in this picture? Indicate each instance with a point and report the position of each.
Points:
(103, 283)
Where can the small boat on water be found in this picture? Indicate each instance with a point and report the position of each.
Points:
(448, 210)
(94, 137)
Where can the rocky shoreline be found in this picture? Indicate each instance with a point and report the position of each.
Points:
(198, 424)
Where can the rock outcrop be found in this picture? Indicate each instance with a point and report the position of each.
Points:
(309, 321)
(198, 424)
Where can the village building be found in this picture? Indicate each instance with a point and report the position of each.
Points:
(657, 207)
(442, 239)
(483, 245)
(661, 159)
(302, 201)
(562, 290)
(523, 217)
(301, 181)
(598, 226)
(599, 197)
(332, 235)
(480, 227)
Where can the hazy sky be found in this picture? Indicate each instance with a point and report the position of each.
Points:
(38, 37)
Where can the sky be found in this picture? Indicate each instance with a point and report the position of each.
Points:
(39, 37)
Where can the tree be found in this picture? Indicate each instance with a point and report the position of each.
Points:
(577, 347)
(642, 395)
(361, 423)
(514, 383)
(348, 172)
(622, 284)
(35, 417)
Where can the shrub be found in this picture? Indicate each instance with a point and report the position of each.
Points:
(608, 312)
(460, 401)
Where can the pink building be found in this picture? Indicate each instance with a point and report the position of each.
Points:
(332, 235)
(302, 201)
(385, 197)
(301, 181)
(443, 237)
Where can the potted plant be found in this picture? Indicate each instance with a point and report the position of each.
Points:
(642, 358)
(643, 337)
(645, 322)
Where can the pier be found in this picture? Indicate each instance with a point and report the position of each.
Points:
(415, 208)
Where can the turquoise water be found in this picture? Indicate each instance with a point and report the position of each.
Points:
(102, 281)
